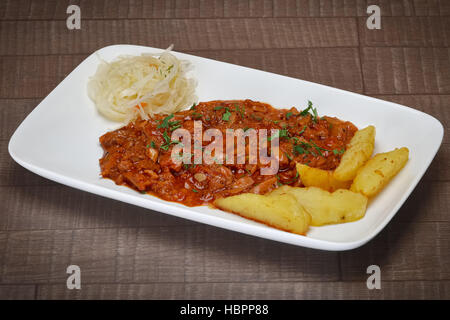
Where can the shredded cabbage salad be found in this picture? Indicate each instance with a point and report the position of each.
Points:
(133, 86)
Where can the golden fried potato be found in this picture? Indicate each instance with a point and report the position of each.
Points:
(378, 171)
(324, 179)
(279, 211)
(325, 207)
(357, 153)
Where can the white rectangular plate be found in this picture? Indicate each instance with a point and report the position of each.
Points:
(59, 140)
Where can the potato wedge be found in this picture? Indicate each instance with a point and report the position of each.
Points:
(357, 153)
(325, 207)
(324, 179)
(280, 211)
(378, 171)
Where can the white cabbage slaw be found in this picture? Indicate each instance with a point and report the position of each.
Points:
(140, 86)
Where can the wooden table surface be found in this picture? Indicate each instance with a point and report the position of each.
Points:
(129, 252)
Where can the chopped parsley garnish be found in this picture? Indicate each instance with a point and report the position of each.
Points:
(315, 115)
(303, 148)
(166, 137)
(175, 127)
(218, 108)
(336, 151)
(166, 146)
(288, 156)
(194, 190)
(306, 148)
(319, 149)
(196, 115)
(278, 181)
(165, 122)
(300, 150)
(296, 140)
(272, 137)
(306, 111)
(168, 142)
(284, 133)
(172, 125)
(288, 115)
(303, 130)
(153, 144)
(239, 110)
(293, 179)
(279, 134)
(193, 107)
(276, 135)
(226, 116)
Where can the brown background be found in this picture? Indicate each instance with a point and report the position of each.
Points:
(129, 252)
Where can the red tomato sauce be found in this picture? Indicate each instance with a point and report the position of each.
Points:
(138, 155)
